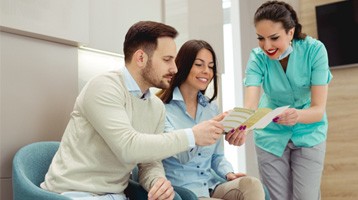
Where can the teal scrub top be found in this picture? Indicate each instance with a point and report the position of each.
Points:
(307, 66)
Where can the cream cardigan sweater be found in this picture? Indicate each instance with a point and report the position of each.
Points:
(110, 131)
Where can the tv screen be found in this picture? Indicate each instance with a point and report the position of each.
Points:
(337, 27)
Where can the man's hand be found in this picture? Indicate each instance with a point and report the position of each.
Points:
(207, 132)
(161, 190)
(232, 176)
(236, 137)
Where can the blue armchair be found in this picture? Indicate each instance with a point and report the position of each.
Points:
(30, 165)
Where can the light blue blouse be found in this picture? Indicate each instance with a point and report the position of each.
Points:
(307, 66)
(192, 169)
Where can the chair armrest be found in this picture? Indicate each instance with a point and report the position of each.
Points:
(24, 189)
(267, 194)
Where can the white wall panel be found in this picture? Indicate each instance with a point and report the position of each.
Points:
(198, 19)
(65, 20)
(111, 19)
(38, 89)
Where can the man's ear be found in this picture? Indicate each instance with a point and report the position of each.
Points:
(140, 57)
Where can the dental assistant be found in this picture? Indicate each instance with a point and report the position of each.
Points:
(292, 69)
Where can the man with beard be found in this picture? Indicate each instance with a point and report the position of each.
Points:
(117, 123)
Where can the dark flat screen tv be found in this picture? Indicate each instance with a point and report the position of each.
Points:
(337, 27)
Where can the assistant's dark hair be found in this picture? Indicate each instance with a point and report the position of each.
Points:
(279, 11)
(184, 61)
(144, 34)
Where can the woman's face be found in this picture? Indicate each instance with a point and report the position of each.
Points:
(272, 37)
(202, 71)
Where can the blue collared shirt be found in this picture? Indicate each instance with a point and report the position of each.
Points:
(132, 86)
(192, 169)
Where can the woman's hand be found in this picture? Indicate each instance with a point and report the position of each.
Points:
(237, 136)
(288, 117)
(232, 176)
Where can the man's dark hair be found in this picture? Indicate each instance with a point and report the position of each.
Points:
(143, 35)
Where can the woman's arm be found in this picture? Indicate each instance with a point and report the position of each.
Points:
(318, 105)
(220, 165)
(312, 114)
(252, 97)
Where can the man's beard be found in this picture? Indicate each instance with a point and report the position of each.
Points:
(150, 77)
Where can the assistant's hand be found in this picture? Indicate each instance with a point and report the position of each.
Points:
(161, 190)
(288, 117)
(232, 176)
(207, 132)
(236, 137)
